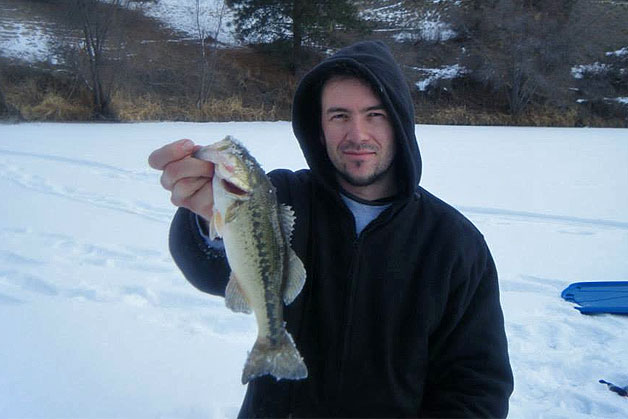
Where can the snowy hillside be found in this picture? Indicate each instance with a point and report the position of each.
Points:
(214, 17)
(97, 321)
(28, 34)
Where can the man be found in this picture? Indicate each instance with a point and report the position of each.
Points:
(400, 314)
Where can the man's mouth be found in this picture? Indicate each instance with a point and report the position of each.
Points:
(358, 153)
(359, 156)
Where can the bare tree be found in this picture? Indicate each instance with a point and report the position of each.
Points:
(523, 49)
(96, 20)
(207, 54)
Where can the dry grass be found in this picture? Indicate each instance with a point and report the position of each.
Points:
(138, 108)
(129, 107)
(457, 115)
(232, 109)
(545, 116)
(26, 93)
(534, 116)
(54, 107)
(39, 96)
(43, 96)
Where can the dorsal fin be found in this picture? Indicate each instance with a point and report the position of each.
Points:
(286, 220)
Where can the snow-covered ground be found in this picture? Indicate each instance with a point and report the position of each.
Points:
(96, 320)
(212, 17)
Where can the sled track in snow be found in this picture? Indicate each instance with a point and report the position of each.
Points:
(533, 216)
(27, 180)
(111, 170)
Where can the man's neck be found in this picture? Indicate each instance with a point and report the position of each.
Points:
(372, 192)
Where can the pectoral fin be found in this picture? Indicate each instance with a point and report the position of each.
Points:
(295, 277)
(234, 298)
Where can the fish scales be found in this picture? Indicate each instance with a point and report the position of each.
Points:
(265, 271)
(266, 244)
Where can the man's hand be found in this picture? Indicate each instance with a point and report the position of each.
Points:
(188, 179)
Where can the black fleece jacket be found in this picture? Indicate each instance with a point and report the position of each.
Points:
(403, 320)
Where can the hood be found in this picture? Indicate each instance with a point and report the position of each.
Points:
(374, 61)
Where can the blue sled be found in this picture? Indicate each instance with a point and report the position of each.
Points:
(598, 297)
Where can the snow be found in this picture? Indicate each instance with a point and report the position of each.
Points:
(434, 74)
(411, 26)
(181, 15)
(30, 40)
(430, 28)
(580, 71)
(621, 100)
(619, 53)
(97, 321)
(34, 38)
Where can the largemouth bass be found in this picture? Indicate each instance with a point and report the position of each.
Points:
(265, 272)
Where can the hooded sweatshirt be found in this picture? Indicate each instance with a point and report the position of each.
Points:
(400, 320)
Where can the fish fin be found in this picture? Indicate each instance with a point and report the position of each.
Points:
(282, 360)
(234, 298)
(215, 226)
(295, 277)
(286, 219)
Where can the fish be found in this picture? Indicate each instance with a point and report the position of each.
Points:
(266, 273)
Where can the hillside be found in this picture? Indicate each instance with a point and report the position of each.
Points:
(466, 64)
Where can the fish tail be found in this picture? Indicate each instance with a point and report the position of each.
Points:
(281, 360)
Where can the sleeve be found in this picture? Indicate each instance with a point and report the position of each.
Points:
(203, 262)
(469, 373)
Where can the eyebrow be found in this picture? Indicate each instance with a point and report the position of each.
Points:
(334, 109)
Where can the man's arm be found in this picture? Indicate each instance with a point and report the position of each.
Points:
(469, 371)
(203, 263)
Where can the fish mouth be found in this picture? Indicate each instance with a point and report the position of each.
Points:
(233, 189)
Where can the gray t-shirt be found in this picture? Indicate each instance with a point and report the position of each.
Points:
(363, 213)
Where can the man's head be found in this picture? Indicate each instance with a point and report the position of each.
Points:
(378, 81)
(358, 136)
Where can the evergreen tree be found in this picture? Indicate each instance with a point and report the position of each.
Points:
(297, 23)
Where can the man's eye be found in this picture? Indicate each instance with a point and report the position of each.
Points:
(339, 117)
(377, 115)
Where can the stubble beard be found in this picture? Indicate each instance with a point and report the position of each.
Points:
(367, 181)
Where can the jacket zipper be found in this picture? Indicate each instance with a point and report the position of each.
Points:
(348, 320)
(354, 273)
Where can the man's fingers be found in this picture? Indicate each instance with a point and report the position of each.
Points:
(184, 189)
(194, 195)
(202, 201)
(161, 157)
(185, 168)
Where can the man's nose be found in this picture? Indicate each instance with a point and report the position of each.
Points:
(358, 130)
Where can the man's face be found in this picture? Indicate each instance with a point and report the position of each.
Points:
(359, 137)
